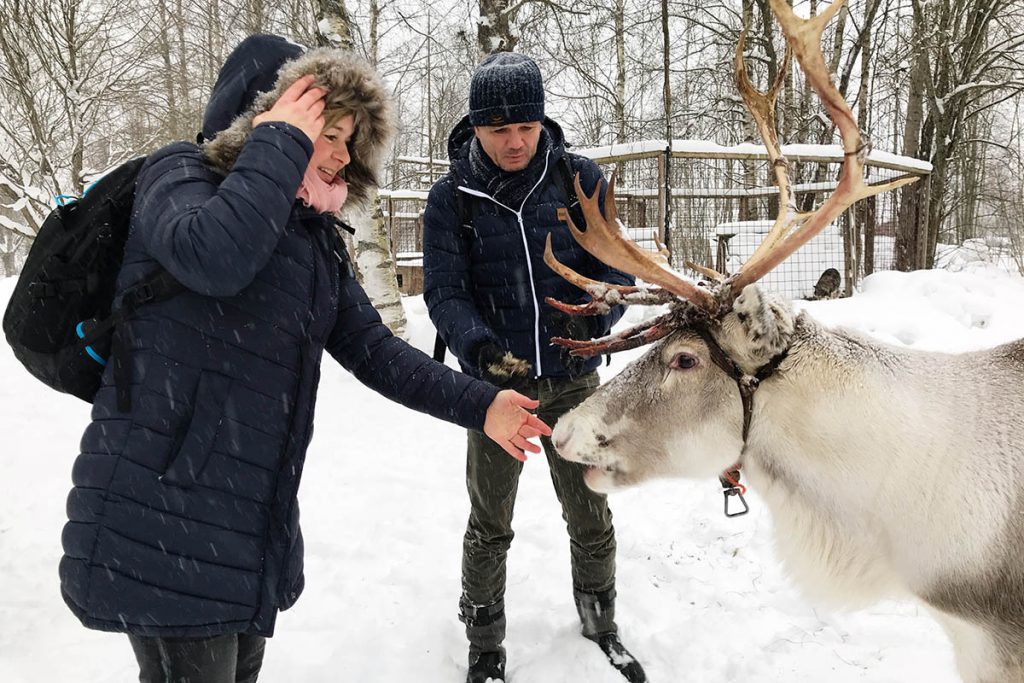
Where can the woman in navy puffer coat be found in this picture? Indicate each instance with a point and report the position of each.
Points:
(184, 526)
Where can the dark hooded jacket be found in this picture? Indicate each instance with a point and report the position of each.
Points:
(488, 283)
(183, 519)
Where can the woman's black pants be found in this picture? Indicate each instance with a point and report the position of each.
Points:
(231, 658)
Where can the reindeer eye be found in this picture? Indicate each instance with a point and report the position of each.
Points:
(683, 361)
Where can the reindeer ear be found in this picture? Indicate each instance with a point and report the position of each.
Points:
(767, 322)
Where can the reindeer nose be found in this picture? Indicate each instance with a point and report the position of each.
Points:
(561, 436)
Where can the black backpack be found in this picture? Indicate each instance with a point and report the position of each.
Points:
(59, 321)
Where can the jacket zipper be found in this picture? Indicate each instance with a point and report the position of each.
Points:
(526, 251)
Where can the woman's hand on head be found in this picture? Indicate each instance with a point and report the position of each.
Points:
(510, 425)
(301, 105)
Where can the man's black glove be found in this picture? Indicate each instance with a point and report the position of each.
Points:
(577, 327)
(498, 366)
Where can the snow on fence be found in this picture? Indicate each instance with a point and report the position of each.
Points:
(719, 198)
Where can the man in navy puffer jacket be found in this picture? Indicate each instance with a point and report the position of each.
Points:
(183, 526)
(485, 285)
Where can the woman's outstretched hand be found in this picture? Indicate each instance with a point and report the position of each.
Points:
(301, 105)
(510, 425)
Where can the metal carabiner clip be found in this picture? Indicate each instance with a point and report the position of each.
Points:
(735, 491)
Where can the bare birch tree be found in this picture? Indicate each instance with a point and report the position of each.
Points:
(494, 28)
(67, 68)
(974, 54)
(373, 255)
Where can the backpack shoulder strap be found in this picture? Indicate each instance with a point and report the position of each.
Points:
(160, 286)
(465, 210)
(567, 177)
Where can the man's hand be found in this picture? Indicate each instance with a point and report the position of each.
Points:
(498, 366)
(301, 105)
(509, 425)
(577, 327)
(571, 327)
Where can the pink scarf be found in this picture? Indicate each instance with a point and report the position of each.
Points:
(324, 197)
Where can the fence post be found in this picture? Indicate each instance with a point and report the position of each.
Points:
(391, 223)
(869, 221)
(661, 202)
(923, 199)
(667, 202)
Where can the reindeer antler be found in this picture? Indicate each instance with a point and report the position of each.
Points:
(638, 335)
(605, 241)
(762, 106)
(604, 294)
(803, 38)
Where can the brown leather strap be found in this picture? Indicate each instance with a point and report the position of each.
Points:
(747, 384)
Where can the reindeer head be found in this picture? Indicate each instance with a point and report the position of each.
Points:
(676, 411)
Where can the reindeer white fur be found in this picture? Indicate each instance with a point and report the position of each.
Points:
(888, 472)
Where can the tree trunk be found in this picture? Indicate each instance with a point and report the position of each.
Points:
(937, 200)
(374, 31)
(338, 31)
(908, 237)
(164, 48)
(869, 222)
(376, 264)
(8, 262)
(494, 29)
(667, 98)
(620, 78)
(863, 234)
(968, 167)
(372, 244)
(848, 229)
(187, 124)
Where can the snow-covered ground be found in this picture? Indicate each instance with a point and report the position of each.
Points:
(701, 597)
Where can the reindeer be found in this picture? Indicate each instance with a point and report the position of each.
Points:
(888, 472)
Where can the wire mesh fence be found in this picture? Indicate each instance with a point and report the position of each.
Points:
(723, 202)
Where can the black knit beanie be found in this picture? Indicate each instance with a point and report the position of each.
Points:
(506, 88)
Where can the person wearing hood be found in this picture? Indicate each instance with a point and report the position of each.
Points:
(183, 526)
(485, 282)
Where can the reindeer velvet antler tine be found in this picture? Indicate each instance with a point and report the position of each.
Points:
(653, 297)
(804, 37)
(592, 307)
(631, 338)
(709, 273)
(611, 213)
(606, 242)
(594, 288)
(762, 108)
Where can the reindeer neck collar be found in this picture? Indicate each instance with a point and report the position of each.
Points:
(746, 383)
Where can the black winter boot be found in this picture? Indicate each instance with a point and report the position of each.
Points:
(485, 630)
(597, 613)
(620, 657)
(486, 667)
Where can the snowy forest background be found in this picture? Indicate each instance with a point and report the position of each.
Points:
(85, 84)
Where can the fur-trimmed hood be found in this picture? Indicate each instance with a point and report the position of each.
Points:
(351, 84)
